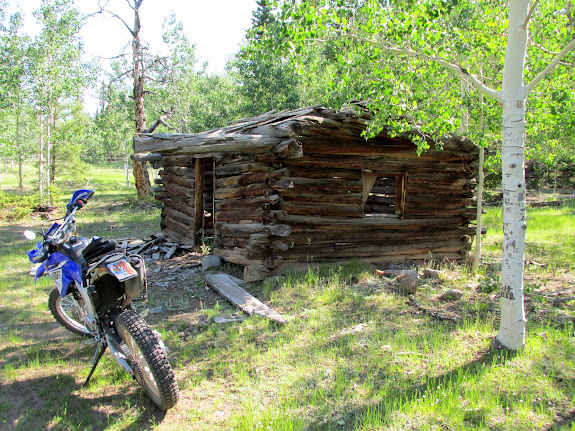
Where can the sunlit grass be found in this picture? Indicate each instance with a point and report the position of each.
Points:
(550, 234)
(355, 354)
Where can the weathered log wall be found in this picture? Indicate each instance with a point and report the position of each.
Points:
(284, 191)
(176, 190)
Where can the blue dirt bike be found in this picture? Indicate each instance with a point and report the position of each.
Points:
(96, 282)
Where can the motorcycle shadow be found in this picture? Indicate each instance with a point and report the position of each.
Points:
(60, 402)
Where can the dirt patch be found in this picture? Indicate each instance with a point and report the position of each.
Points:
(177, 289)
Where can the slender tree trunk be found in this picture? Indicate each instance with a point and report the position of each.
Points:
(141, 175)
(48, 156)
(21, 174)
(554, 179)
(127, 168)
(464, 108)
(41, 161)
(512, 326)
(481, 181)
(54, 157)
(20, 159)
(477, 257)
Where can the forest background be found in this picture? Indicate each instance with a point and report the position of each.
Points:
(45, 126)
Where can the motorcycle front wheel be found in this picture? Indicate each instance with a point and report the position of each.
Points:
(148, 359)
(68, 312)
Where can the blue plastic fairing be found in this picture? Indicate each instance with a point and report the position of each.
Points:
(52, 229)
(78, 194)
(71, 271)
(34, 255)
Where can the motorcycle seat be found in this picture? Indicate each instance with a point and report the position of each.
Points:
(98, 248)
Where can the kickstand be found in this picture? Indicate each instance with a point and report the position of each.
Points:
(95, 360)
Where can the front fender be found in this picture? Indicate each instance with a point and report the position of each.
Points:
(69, 271)
(40, 272)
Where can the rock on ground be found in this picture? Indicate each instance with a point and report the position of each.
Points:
(210, 262)
(452, 295)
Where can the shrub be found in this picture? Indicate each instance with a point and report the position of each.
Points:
(14, 207)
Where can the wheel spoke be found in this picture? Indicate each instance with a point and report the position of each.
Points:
(73, 313)
(140, 361)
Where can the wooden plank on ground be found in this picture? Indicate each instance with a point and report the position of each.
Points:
(227, 288)
(171, 251)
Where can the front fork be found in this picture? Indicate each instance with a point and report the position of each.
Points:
(91, 318)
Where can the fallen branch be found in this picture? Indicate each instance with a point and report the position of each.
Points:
(549, 295)
(435, 315)
(569, 298)
(162, 121)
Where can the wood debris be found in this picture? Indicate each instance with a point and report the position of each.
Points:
(434, 314)
(158, 247)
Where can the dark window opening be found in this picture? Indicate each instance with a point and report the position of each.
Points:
(383, 194)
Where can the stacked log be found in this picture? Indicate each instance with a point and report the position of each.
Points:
(249, 222)
(175, 189)
(285, 189)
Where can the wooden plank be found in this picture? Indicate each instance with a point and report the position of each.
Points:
(228, 289)
(171, 251)
(369, 179)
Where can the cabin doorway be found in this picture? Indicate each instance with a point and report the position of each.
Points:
(204, 186)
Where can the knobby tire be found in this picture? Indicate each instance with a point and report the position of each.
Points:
(145, 350)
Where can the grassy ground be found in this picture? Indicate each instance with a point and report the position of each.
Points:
(355, 355)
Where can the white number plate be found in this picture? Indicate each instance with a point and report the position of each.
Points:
(122, 269)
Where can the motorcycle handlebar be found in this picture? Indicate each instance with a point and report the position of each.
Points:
(79, 203)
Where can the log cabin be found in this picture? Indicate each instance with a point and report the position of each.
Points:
(286, 190)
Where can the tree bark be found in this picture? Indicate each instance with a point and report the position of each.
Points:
(141, 176)
(512, 325)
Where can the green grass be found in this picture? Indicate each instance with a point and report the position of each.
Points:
(550, 237)
(355, 354)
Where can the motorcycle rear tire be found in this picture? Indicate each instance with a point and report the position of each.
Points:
(151, 367)
(65, 311)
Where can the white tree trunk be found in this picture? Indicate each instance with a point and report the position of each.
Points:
(512, 326)
(48, 157)
(41, 161)
(127, 169)
(478, 227)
